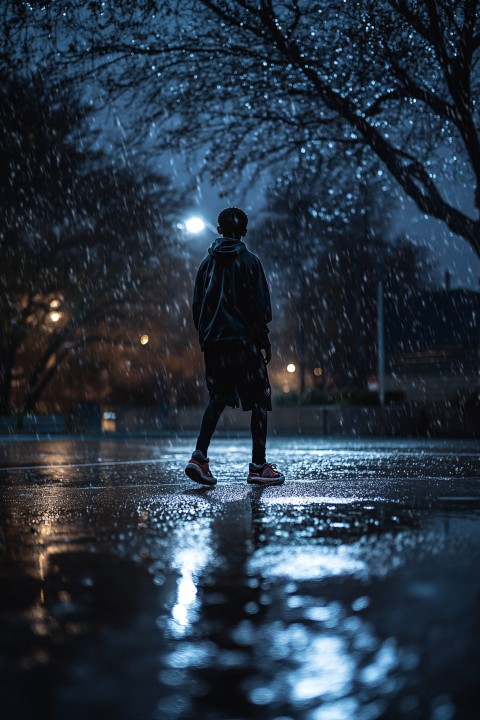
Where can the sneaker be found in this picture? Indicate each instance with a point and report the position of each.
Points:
(198, 470)
(265, 474)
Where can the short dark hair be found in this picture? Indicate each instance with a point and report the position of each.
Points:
(233, 221)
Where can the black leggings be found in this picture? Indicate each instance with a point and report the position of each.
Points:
(258, 427)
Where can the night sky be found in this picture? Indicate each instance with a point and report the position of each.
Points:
(448, 251)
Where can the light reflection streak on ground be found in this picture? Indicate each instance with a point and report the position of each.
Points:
(191, 555)
(335, 666)
(307, 563)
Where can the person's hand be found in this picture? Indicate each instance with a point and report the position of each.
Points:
(267, 355)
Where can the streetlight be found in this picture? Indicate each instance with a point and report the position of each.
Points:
(195, 225)
(55, 310)
(54, 316)
(291, 368)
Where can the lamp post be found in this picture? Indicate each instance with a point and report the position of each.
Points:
(380, 345)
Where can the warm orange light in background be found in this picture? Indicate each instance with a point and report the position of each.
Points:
(317, 371)
(55, 304)
(291, 368)
(55, 316)
(144, 339)
(109, 421)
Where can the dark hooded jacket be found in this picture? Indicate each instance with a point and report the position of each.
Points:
(231, 301)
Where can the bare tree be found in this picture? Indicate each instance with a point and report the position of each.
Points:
(79, 236)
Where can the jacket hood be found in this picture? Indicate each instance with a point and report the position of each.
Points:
(226, 247)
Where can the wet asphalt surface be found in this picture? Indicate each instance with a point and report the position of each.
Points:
(351, 592)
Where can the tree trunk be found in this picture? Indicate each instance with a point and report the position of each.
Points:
(8, 350)
(5, 385)
(35, 392)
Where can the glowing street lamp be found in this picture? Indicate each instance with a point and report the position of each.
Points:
(55, 310)
(291, 368)
(195, 225)
(144, 340)
(54, 316)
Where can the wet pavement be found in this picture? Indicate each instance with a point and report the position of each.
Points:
(351, 592)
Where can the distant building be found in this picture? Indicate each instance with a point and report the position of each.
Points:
(432, 344)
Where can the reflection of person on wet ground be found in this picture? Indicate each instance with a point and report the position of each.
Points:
(257, 514)
(230, 613)
(231, 311)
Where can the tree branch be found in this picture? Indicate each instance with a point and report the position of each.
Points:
(412, 177)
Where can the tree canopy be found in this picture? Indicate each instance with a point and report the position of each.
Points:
(389, 87)
(80, 235)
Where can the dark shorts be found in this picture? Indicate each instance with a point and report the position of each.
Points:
(237, 374)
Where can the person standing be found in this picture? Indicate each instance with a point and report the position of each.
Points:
(231, 312)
